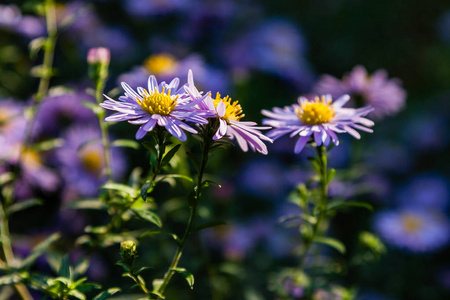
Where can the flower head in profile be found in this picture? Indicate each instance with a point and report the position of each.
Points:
(229, 114)
(320, 118)
(162, 104)
(385, 95)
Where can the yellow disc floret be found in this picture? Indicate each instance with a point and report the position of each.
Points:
(411, 223)
(317, 111)
(160, 64)
(233, 111)
(158, 103)
(91, 158)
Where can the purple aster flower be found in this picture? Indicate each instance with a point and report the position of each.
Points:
(386, 96)
(82, 161)
(163, 104)
(229, 115)
(319, 118)
(58, 111)
(145, 8)
(415, 230)
(27, 26)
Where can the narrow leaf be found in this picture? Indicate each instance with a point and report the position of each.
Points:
(178, 176)
(94, 107)
(48, 145)
(344, 204)
(9, 279)
(331, 174)
(65, 270)
(36, 45)
(159, 232)
(95, 204)
(209, 225)
(18, 206)
(187, 275)
(126, 143)
(104, 295)
(170, 155)
(207, 183)
(149, 146)
(334, 243)
(121, 187)
(148, 216)
(310, 219)
(194, 160)
(39, 250)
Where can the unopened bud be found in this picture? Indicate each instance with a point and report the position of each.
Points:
(99, 55)
(128, 251)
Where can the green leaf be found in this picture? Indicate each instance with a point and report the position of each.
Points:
(187, 275)
(145, 189)
(148, 216)
(94, 107)
(95, 204)
(208, 182)
(39, 250)
(178, 176)
(334, 243)
(159, 232)
(77, 294)
(104, 295)
(170, 155)
(48, 145)
(9, 279)
(344, 204)
(126, 143)
(121, 187)
(18, 206)
(96, 229)
(149, 146)
(65, 270)
(6, 177)
(310, 219)
(36, 45)
(81, 267)
(209, 225)
(331, 174)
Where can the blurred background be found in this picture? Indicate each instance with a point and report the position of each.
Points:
(393, 55)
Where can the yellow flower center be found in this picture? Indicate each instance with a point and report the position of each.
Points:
(411, 223)
(91, 159)
(31, 159)
(158, 103)
(233, 111)
(317, 111)
(160, 64)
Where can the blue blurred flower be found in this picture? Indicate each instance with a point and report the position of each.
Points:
(82, 161)
(61, 110)
(12, 19)
(145, 8)
(319, 118)
(413, 229)
(386, 96)
(166, 66)
(443, 26)
(428, 131)
(276, 47)
(427, 191)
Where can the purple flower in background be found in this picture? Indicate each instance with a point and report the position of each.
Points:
(229, 115)
(429, 191)
(415, 230)
(82, 161)
(319, 118)
(12, 120)
(443, 26)
(276, 47)
(145, 8)
(60, 110)
(163, 104)
(166, 66)
(386, 96)
(12, 19)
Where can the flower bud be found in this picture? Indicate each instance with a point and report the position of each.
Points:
(128, 252)
(99, 55)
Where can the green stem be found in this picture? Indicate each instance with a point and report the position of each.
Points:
(100, 87)
(320, 209)
(206, 146)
